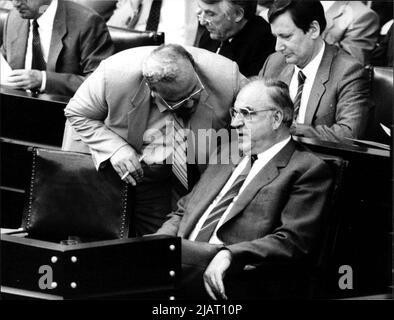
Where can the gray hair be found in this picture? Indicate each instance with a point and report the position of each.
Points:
(162, 65)
(279, 94)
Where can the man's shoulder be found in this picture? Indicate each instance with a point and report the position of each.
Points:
(357, 9)
(77, 13)
(214, 66)
(274, 64)
(342, 62)
(129, 59)
(304, 157)
(201, 56)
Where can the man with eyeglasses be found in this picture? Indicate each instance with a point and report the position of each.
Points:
(263, 209)
(143, 112)
(233, 29)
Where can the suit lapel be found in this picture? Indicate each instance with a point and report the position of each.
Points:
(19, 44)
(264, 177)
(205, 195)
(318, 87)
(58, 33)
(138, 116)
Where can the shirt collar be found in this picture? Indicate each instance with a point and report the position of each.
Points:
(310, 69)
(45, 21)
(327, 5)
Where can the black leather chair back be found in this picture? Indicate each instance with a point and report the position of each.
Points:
(125, 39)
(320, 277)
(3, 18)
(381, 86)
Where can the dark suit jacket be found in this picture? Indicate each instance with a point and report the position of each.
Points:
(338, 104)
(80, 40)
(249, 48)
(277, 216)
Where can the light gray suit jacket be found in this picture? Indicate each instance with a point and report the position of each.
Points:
(354, 27)
(111, 108)
(80, 40)
(338, 104)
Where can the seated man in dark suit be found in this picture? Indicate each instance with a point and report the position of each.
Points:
(266, 208)
(53, 45)
(329, 87)
(235, 31)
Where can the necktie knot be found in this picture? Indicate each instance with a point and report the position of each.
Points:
(301, 77)
(35, 24)
(253, 158)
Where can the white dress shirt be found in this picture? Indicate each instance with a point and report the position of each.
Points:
(327, 5)
(45, 27)
(262, 159)
(309, 71)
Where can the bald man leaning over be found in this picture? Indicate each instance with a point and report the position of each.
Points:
(131, 107)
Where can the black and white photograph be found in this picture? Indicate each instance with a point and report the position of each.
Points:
(196, 157)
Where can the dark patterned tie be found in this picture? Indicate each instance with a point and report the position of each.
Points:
(217, 212)
(297, 100)
(38, 62)
(154, 16)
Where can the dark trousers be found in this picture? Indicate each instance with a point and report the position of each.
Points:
(150, 200)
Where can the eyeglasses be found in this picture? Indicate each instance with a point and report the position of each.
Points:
(180, 103)
(246, 113)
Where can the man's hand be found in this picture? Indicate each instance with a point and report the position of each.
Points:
(215, 273)
(126, 160)
(25, 79)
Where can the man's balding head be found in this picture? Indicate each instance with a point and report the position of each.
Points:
(168, 63)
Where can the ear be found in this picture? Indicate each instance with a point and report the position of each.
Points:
(314, 29)
(277, 119)
(239, 14)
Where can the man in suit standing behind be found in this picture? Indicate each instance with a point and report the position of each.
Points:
(329, 88)
(267, 208)
(53, 45)
(142, 102)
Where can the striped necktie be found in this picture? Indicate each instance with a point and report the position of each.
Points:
(179, 164)
(217, 212)
(297, 100)
(38, 62)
